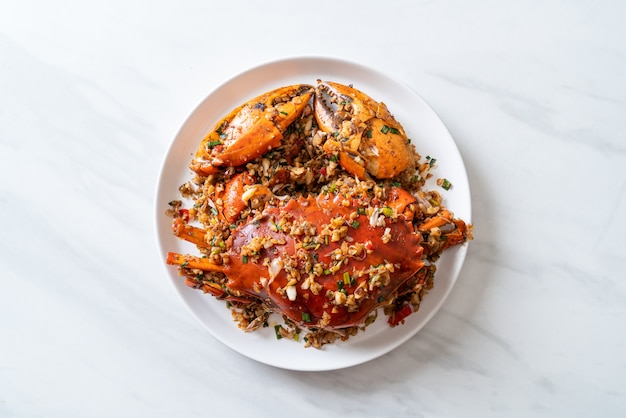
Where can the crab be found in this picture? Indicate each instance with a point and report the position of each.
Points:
(324, 261)
(251, 130)
(366, 136)
(317, 260)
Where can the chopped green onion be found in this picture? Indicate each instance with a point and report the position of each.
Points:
(346, 278)
(335, 134)
(394, 131)
(387, 211)
(232, 226)
(213, 143)
(446, 184)
(356, 224)
(283, 113)
(296, 337)
(228, 304)
(306, 317)
(368, 133)
(333, 188)
(277, 331)
(384, 129)
(244, 259)
(432, 161)
(334, 158)
(326, 272)
(340, 285)
(396, 184)
(360, 210)
(182, 266)
(433, 202)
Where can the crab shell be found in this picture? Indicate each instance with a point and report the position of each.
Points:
(283, 271)
(365, 134)
(252, 129)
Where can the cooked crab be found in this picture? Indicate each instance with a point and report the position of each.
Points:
(252, 129)
(325, 257)
(364, 133)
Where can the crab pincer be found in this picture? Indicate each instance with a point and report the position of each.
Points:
(364, 134)
(251, 130)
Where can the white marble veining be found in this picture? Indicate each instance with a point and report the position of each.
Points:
(92, 93)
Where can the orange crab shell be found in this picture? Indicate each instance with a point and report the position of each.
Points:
(252, 129)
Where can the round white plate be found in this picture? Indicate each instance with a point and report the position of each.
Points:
(428, 134)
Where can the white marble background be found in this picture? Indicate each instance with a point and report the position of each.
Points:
(92, 93)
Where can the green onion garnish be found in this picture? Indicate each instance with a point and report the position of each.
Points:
(368, 133)
(244, 259)
(277, 331)
(394, 131)
(346, 278)
(306, 317)
(446, 184)
(384, 129)
(387, 211)
(356, 224)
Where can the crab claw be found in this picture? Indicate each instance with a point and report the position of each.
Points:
(251, 130)
(365, 135)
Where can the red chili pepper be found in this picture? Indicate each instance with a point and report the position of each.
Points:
(323, 171)
(399, 315)
(184, 214)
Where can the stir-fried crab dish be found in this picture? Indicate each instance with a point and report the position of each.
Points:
(309, 202)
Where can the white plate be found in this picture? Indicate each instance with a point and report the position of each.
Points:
(426, 131)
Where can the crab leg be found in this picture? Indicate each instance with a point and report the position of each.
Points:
(444, 218)
(188, 233)
(192, 262)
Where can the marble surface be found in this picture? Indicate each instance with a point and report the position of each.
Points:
(91, 95)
